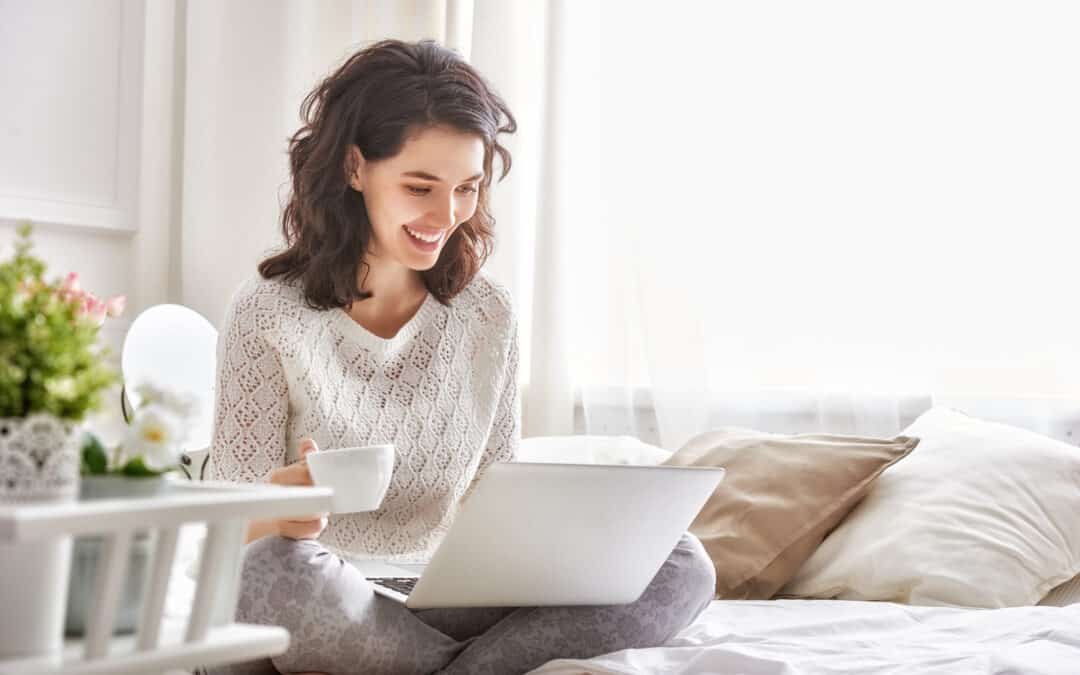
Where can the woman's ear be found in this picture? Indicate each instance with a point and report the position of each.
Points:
(354, 168)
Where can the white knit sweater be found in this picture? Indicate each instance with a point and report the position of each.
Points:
(443, 391)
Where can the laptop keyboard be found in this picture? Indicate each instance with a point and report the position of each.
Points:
(403, 585)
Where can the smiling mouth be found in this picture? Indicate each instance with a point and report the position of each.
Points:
(421, 236)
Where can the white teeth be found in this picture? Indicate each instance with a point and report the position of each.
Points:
(429, 238)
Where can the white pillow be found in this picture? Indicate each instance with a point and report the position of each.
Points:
(589, 450)
(980, 514)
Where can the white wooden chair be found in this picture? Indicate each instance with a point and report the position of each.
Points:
(207, 636)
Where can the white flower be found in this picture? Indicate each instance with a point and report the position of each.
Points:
(179, 404)
(155, 435)
(107, 422)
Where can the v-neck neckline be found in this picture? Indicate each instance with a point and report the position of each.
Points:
(407, 330)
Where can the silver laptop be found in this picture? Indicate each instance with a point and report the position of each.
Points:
(554, 534)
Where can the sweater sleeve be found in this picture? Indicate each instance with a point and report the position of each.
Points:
(252, 399)
(505, 434)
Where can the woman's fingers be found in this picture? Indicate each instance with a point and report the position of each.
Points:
(302, 529)
(296, 473)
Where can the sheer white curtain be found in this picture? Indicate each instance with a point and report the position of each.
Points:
(808, 217)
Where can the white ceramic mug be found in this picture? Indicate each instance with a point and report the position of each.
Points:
(359, 476)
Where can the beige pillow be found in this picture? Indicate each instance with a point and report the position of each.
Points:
(781, 496)
(1064, 595)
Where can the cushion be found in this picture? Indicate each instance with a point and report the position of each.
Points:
(780, 497)
(589, 450)
(1064, 595)
(981, 515)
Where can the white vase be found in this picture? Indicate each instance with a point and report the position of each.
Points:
(39, 463)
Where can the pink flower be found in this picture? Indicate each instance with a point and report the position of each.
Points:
(88, 305)
(71, 284)
(93, 309)
(115, 306)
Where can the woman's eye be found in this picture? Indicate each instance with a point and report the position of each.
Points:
(419, 191)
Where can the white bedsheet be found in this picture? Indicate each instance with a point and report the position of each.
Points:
(804, 637)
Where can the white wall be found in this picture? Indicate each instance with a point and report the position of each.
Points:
(242, 95)
(75, 156)
(64, 161)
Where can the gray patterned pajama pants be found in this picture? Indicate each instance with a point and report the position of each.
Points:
(339, 625)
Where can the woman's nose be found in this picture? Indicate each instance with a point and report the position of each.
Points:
(444, 213)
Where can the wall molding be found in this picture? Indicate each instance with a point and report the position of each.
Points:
(46, 212)
(47, 208)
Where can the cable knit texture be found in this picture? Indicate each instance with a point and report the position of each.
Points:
(443, 391)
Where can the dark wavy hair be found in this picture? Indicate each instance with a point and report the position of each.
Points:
(378, 98)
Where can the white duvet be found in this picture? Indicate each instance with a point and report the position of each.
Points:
(804, 637)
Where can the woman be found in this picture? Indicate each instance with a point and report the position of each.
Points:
(375, 325)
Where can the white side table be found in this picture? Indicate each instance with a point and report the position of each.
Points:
(208, 637)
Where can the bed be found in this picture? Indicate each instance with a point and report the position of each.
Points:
(811, 636)
(830, 636)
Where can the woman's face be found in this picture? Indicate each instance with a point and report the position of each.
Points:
(417, 198)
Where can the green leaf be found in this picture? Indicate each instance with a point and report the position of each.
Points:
(135, 467)
(94, 459)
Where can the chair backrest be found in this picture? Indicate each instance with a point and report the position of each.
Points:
(173, 350)
(196, 464)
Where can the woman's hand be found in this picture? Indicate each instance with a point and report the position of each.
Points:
(302, 527)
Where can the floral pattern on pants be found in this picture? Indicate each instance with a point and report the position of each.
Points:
(340, 626)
